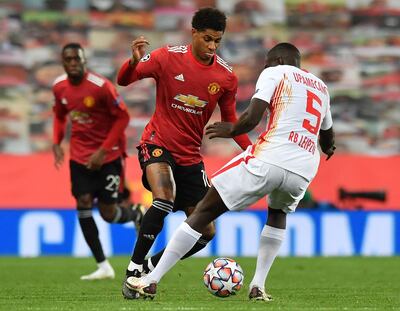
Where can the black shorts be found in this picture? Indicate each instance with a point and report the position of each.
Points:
(102, 184)
(191, 181)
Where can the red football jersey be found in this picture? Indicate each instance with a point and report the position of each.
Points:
(98, 116)
(187, 94)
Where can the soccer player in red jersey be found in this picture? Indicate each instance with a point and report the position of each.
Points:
(98, 116)
(191, 80)
(277, 164)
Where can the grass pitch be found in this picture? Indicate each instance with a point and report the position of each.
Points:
(52, 283)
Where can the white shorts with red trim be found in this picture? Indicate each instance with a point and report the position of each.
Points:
(245, 179)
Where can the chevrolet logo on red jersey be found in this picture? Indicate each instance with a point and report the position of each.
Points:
(190, 100)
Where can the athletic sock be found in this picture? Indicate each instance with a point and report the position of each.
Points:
(181, 242)
(105, 265)
(200, 244)
(91, 233)
(134, 270)
(270, 241)
(153, 261)
(152, 224)
(148, 264)
(132, 266)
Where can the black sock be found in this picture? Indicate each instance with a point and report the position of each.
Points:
(154, 261)
(152, 224)
(200, 244)
(124, 214)
(91, 233)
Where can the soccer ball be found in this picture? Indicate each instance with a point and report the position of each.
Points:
(223, 277)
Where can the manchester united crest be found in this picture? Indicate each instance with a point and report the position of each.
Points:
(88, 101)
(213, 88)
(157, 152)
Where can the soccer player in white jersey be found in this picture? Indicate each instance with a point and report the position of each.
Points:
(280, 164)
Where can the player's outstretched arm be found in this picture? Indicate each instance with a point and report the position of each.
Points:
(327, 142)
(126, 74)
(138, 48)
(247, 121)
(227, 105)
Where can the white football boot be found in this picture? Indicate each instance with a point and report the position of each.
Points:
(104, 271)
(258, 294)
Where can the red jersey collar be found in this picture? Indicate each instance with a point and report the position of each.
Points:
(83, 79)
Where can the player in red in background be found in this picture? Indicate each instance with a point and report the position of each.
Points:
(280, 164)
(98, 116)
(191, 80)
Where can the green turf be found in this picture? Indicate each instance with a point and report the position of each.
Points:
(52, 283)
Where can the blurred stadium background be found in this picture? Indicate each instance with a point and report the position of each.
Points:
(352, 207)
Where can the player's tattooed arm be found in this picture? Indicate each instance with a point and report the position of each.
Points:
(247, 121)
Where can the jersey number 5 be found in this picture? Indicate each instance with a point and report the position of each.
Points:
(311, 98)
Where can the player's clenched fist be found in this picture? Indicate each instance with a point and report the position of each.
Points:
(138, 48)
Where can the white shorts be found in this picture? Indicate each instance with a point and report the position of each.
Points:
(245, 179)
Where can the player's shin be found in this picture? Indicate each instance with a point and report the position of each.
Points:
(90, 233)
(270, 241)
(181, 242)
(149, 265)
(200, 244)
(151, 226)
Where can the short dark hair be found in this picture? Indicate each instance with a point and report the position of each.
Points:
(285, 48)
(209, 18)
(72, 45)
(287, 51)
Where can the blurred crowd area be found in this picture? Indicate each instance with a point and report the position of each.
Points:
(353, 45)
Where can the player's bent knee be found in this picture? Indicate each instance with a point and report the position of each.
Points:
(107, 212)
(85, 201)
(164, 193)
(209, 232)
(108, 217)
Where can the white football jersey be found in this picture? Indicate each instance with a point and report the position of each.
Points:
(299, 107)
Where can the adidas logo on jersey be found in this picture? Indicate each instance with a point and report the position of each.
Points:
(180, 78)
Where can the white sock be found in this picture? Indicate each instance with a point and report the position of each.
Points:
(132, 266)
(150, 264)
(104, 265)
(270, 241)
(181, 242)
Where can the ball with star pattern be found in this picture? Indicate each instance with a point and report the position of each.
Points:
(223, 277)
